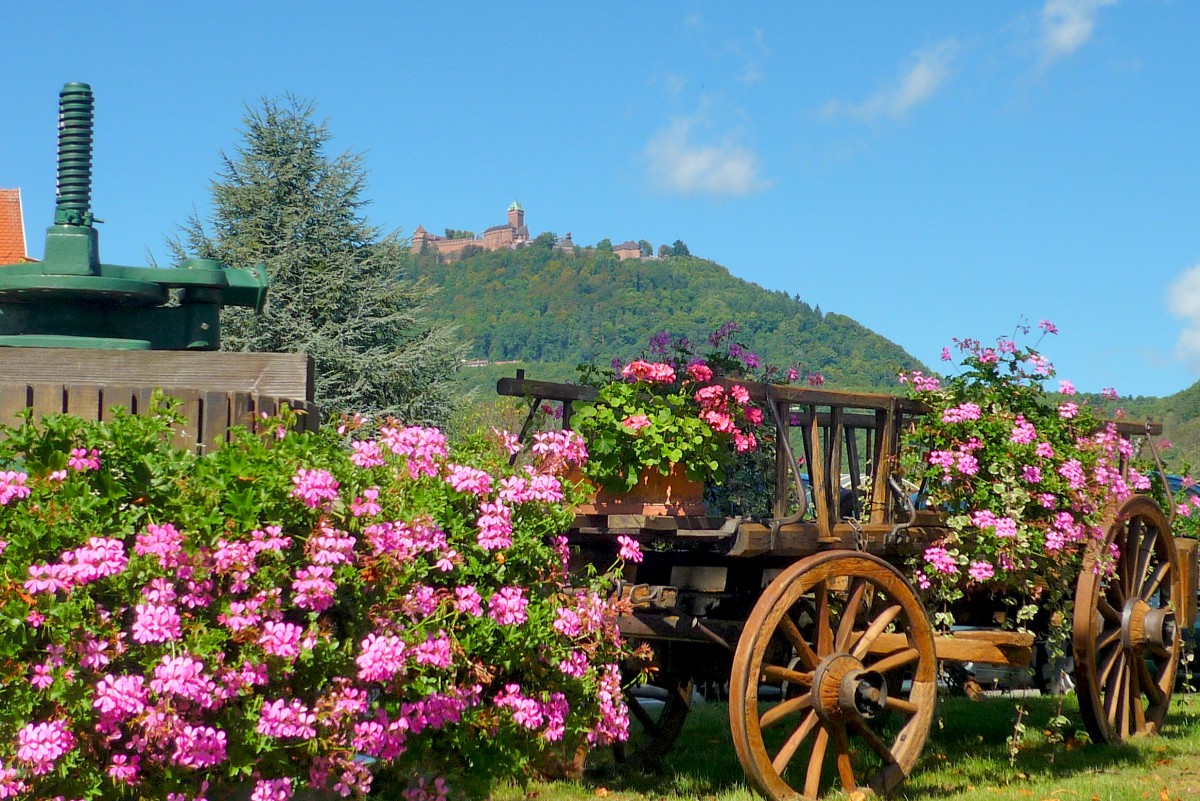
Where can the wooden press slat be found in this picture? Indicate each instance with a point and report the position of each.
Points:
(216, 419)
(13, 398)
(84, 400)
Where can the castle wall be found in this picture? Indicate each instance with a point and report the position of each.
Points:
(455, 247)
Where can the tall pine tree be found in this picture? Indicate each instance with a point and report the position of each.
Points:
(338, 291)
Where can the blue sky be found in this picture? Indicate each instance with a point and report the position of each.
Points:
(932, 169)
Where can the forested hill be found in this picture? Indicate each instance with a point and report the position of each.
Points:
(540, 305)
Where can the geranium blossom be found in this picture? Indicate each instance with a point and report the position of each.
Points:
(82, 459)
(315, 488)
(367, 453)
(157, 623)
(12, 486)
(1023, 431)
(961, 413)
(654, 372)
(507, 606)
(699, 371)
(495, 526)
(41, 745)
(636, 422)
(631, 550)
(981, 571)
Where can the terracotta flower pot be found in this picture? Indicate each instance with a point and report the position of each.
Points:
(655, 494)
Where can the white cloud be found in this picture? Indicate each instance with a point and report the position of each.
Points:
(916, 84)
(751, 74)
(1067, 25)
(679, 165)
(1183, 299)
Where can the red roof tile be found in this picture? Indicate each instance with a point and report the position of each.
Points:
(12, 228)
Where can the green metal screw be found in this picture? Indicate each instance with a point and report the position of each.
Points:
(75, 105)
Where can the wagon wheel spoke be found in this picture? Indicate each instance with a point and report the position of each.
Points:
(841, 745)
(784, 757)
(1128, 560)
(816, 761)
(874, 630)
(1159, 651)
(1108, 638)
(1144, 554)
(643, 717)
(1124, 700)
(785, 708)
(797, 641)
(1107, 610)
(781, 674)
(1150, 684)
(1117, 591)
(824, 632)
(1109, 673)
(896, 660)
(1135, 700)
(1154, 581)
(850, 614)
(874, 741)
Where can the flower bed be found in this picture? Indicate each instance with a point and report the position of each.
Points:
(292, 611)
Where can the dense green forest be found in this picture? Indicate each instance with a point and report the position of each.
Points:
(540, 305)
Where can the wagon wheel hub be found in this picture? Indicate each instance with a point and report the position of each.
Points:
(843, 690)
(1143, 625)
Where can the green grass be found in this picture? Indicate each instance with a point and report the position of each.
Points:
(965, 759)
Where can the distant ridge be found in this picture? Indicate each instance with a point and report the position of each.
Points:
(541, 304)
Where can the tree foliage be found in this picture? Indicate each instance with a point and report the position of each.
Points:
(537, 304)
(338, 288)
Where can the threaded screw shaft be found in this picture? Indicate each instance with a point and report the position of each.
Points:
(75, 107)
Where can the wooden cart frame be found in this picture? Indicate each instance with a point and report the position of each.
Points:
(830, 657)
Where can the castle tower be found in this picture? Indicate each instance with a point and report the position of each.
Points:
(516, 216)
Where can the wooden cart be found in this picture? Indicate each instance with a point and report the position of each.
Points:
(829, 657)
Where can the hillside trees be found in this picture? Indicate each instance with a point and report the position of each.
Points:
(338, 290)
(537, 304)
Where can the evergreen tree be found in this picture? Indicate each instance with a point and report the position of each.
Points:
(337, 289)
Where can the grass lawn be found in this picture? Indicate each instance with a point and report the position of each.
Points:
(965, 759)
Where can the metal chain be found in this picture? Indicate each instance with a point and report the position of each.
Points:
(860, 537)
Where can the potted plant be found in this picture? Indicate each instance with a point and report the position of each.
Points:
(663, 426)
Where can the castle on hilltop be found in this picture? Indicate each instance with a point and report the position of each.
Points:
(507, 236)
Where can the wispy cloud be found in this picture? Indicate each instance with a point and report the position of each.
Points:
(918, 81)
(1067, 25)
(679, 165)
(1183, 299)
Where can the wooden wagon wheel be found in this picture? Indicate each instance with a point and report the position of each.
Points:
(1125, 638)
(861, 696)
(655, 723)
